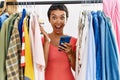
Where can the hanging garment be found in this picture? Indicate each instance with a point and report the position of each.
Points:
(29, 71)
(112, 10)
(111, 63)
(10, 26)
(10, 59)
(83, 48)
(21, 24)
(102, 39)
(13, 55)
(91, 60)
(22, 38)
(37, 49)
(39, 53)
(96, 28)
(3, 17)
(78, 45)
(4, 37)
(32, 41)
(22, 60)
(22, 55)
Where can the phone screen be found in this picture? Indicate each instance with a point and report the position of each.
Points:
(64, 39)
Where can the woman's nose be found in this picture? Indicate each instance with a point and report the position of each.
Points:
(59, 21)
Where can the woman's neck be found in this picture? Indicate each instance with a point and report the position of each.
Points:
(56, 35)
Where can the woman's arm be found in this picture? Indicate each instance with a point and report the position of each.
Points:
(46, 51)
(72, 59)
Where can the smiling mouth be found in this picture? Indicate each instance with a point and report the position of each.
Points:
(58, 27)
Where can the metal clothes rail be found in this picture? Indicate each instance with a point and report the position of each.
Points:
(54, 2)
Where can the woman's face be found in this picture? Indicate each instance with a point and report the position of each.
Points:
(58, 21)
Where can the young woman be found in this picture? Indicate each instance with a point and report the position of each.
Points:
(59, 59)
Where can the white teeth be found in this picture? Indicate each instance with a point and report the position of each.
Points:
(57, 27)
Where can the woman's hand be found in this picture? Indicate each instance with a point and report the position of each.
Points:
(46, 37)
(66, 47)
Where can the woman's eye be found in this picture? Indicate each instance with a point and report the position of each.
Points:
(54, 17)
(62, 18)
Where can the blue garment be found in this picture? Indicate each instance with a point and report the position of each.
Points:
(21, 23)
(91, 60)
(3, 17)
(111, 55)
(96, 28)
(110, 68)
(102, 43)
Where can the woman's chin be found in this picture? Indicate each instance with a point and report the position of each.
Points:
(59, 33)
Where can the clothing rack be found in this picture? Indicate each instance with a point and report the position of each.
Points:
(54, 2)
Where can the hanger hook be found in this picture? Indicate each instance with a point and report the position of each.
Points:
(85, 1)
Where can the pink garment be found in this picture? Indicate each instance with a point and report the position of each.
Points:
(112, 9)
(37, 48)
(58, 67)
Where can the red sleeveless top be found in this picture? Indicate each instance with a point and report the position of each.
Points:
(58, 66)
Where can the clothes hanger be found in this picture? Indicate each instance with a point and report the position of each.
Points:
(11, 8)
(1, 4)
(2, 10)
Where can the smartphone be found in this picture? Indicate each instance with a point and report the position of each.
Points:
(64, 39)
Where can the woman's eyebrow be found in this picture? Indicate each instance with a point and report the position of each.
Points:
(63, 15)
(57, 14)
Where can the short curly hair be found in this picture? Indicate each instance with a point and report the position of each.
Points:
(59, 7)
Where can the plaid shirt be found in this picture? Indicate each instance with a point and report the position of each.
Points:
(4, 45)
(12, 58)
